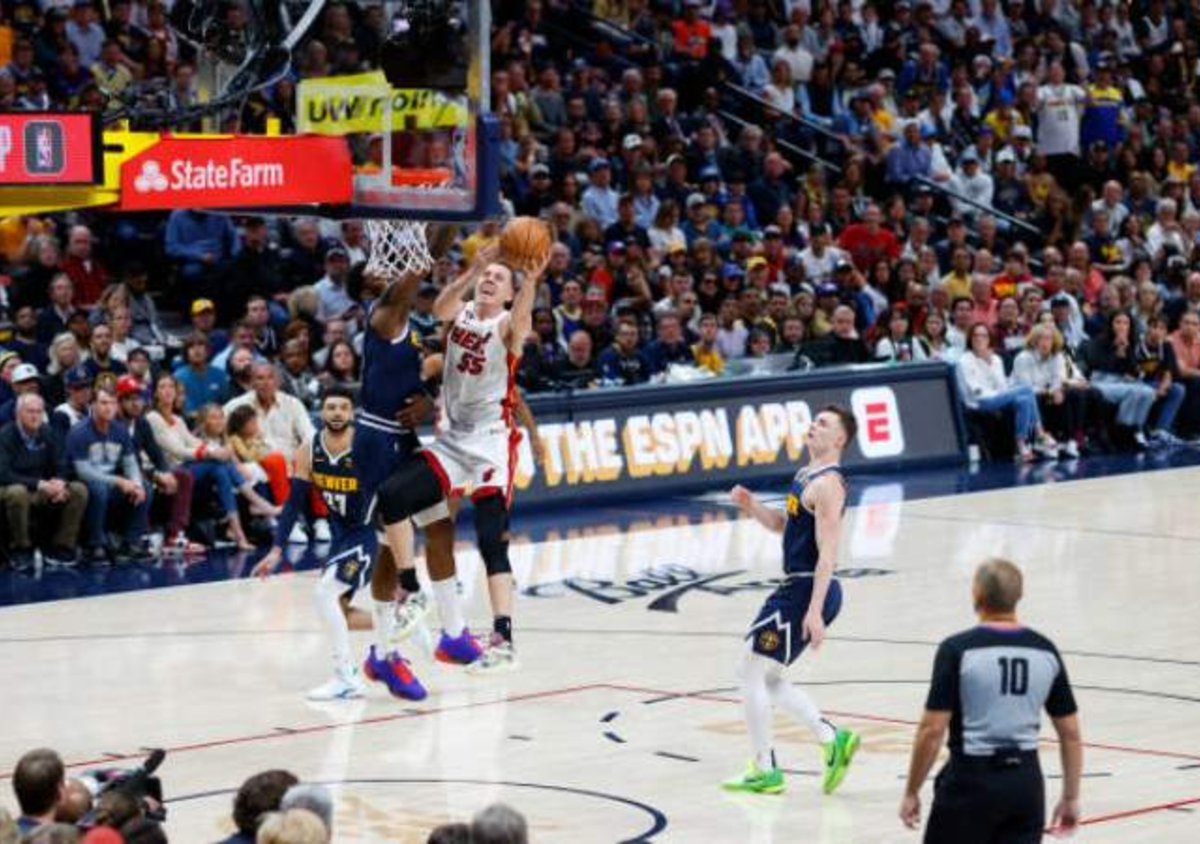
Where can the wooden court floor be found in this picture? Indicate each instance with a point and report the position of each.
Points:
(624, 717)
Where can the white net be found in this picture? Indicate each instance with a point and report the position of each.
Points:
(397, 247)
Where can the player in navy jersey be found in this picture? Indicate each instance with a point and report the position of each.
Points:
(795, 614)
(328, 464)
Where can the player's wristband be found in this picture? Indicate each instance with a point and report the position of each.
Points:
(291, 511)
(432, 386)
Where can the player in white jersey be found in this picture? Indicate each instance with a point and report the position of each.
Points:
(477, 445)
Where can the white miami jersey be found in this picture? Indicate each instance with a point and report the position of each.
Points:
(479, 377)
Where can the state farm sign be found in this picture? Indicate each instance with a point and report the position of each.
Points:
(237, 172)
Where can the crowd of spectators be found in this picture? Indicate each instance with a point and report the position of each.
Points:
(734, 187)
(271, 807)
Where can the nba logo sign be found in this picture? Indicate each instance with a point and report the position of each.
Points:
(43, 148)
(879, 431)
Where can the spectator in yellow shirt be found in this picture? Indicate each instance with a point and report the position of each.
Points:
(706, 353)
(1003, 119)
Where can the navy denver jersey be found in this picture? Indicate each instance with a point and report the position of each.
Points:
(800, 534)
(391, 373)
(335, 477)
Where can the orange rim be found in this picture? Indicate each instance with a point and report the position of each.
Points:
(421, 176)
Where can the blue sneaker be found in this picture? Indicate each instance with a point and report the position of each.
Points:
(460, 650)
(393, 672)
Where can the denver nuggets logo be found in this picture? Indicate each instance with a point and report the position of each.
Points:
(793, 505)
(768, 640)
(350, 569)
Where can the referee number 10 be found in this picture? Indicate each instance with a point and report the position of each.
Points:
(1014, 675)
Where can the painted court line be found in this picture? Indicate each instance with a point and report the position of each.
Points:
(276, 735)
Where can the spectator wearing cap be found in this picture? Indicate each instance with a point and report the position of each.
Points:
(623, 362)
(600, 199)
(201, 245)
(52, 320)
(626, 229)
(74, 409)
(773, 189)
(202, 383)
(24, 378)
(700, 223)
(970, 182)
(204, 321)
(172, 485)
(104, 459)
(333, 298)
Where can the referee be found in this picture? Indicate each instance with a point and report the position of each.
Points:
(989, 685)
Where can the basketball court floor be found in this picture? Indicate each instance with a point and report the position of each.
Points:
(623, 718)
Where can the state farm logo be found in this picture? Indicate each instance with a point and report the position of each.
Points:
(151, 178)
(879, 431)
(186, 175)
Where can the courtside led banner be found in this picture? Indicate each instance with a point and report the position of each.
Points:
(49, 148)
(666, 439)
(237, 172)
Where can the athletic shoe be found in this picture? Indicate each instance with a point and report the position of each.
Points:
(1047, 447)
(393, 672)
(61, 556)
(410, 614)
(459, 650)
(1024, 454)
(757, 781)
(1070, 450)
(1139, 440)
(321, 531)
(297, 536)
(96, 555)
(1164, 439)
(838, 755)
(499, 658)
(345, 684)
(22, 559)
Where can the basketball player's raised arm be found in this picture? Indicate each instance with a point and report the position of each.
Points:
(520, 319)
(301, 484)
(746, 501)
(451, 300)
(830, 497)
(391, 311)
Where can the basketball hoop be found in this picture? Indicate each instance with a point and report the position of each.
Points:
(399, 247)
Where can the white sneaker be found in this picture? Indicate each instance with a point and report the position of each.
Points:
(499, 658)
(410, 614)
(1071, 449)
(343, 685)
(298, 536)
(321, 531)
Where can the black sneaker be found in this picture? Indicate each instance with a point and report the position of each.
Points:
(133, 553)
(22, 559)
(60, 555)
(96, 555)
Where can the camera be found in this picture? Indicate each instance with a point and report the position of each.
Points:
(139, 783)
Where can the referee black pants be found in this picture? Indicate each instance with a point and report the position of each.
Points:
(988, 800)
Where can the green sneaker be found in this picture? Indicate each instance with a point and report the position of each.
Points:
(838, 754)
(757, 781)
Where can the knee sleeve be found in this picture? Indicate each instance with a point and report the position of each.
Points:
(491, 533)
(413, 488)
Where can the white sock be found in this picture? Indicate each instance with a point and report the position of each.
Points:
(756, 706)
(797, 703)
(327, 597)
(385, 617)
(445, 592)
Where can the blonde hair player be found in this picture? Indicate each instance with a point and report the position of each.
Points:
(795, 615)
(475, 449)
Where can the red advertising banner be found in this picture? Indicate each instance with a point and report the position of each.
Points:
(237, 172)
(48, 148)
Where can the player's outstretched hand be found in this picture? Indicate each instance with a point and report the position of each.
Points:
(1066, 818)
(489, 254)
(741, 497)
(910, 811)
(536, 268)
(267, 564)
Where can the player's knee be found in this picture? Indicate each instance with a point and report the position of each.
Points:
(413, 488)
(491, 531)
(329, 586)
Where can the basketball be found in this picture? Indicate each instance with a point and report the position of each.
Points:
(525, 241)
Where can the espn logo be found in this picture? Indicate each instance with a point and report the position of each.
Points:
(880, 433)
